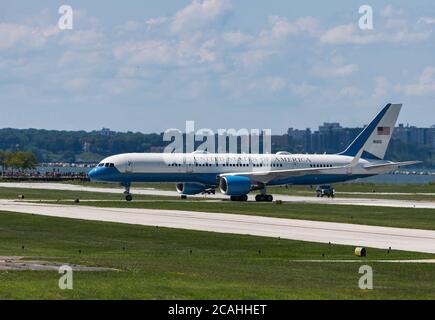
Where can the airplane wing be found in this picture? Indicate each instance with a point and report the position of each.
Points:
(392, 165)
(266, 176)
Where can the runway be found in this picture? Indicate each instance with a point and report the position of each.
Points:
(313, 231)
(296, 199)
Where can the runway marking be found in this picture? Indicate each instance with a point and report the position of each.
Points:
(430, 261)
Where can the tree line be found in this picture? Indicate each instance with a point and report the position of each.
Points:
(76, 146)
(17, 160)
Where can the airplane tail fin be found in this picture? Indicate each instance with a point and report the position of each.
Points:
(375, 137)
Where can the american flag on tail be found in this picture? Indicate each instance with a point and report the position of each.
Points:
(384, 131)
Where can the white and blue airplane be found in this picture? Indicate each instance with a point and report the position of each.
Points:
(238, 174)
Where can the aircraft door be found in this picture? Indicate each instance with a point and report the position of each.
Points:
(129, 166)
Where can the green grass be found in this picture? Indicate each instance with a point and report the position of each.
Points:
(160, 263)
(380, 216)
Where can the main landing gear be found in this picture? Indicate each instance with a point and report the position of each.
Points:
(264, 198)
(239, 198)
(127, 193)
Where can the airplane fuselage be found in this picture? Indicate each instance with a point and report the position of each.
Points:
(206, 168)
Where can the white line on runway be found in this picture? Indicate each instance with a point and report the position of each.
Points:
(313, 231)
(295, 199)
(369, 261)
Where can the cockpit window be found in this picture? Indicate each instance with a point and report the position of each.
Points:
(101, 164)
(112, 165)
(107, 165)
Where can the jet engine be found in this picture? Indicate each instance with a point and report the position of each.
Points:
(190, 188)
(235, 185)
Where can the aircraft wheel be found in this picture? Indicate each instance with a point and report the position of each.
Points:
(259, 198)
(269, 198)
(128, 197)
(239, 198)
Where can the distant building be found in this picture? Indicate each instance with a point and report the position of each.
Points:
(106, 132)
(280, 141)
(331, 137)
(413, 135)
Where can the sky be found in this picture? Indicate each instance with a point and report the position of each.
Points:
(153, 65)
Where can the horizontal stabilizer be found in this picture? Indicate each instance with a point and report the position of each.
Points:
(393, 165)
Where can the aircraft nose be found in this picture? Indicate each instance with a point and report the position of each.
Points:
(95, 173)
(92, 174)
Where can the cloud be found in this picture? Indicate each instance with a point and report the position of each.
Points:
(281, 28)
(157, 21)
(145, 52)
(394, 31)
(303, 89)
(199, 14)
(25, 37)
(81, 37)
(336, 69)
(347, 34)
(188, 50)
(425, 84)
(252, 58)
(381, 88)
(349, 92)
(79, 58)
(389, 11)
(129, 26)
(237, 38)
(427, 20)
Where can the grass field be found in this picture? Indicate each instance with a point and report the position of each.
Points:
(179, 264)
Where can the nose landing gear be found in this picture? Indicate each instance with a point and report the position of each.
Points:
(127, 193)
